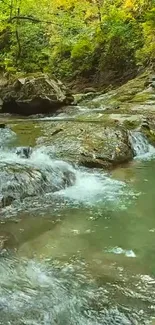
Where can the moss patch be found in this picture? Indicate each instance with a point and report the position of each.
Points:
(96, 118)
(27, 132)
(150, 134)
(131, 125)
(141, 97)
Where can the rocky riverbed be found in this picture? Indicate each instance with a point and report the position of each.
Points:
(77, 213)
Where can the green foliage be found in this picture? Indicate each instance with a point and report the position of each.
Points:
(34, 48)
(82, 49)
(146, 55)
(71, 38)
(81, 55)
(121, 40)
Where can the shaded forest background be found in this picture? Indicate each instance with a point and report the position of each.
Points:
(100, 41)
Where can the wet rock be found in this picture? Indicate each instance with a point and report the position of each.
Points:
(149, 134)
(24, 152)
(145, 124)
(150, 81)
(6, 135)
(18, 181)
(90, 144)
(34, 95)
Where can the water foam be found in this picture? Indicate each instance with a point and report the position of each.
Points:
(119, 251)
(84, 186)
(52, 179)
(94, 187)
(90, 187)
(40, 158)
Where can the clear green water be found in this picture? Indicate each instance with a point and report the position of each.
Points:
(82, 256)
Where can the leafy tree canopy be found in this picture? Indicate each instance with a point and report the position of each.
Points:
(71, 38)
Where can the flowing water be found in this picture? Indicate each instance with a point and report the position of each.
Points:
(77, 245)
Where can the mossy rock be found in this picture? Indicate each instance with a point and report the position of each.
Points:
(131, 125)
(124, 97)
(20, 180)
(89, 144)
(150, 134)
(142, 97)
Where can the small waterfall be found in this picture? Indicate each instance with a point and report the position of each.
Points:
(22, 177)
(140, 145)
(41, 173)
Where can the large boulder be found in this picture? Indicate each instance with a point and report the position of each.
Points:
(34, 95)
(89, 144)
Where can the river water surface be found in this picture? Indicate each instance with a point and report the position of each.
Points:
(84, 255)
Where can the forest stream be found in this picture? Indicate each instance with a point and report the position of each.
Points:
(77, 244)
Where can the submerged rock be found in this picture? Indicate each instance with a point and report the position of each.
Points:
(90, 144)
(34, 95)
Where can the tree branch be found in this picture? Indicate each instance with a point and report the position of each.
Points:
(34, 20)
(17, 37)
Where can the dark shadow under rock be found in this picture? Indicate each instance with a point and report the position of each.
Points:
(34, 95)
